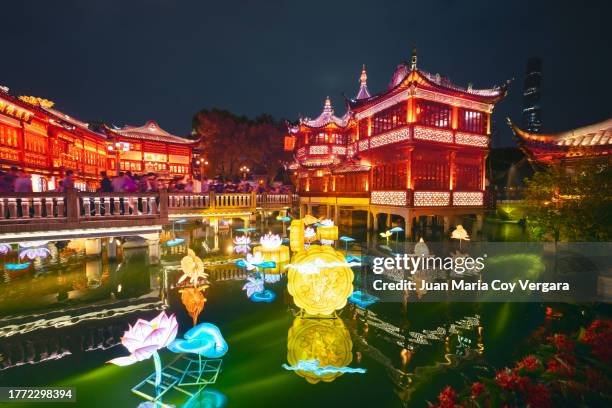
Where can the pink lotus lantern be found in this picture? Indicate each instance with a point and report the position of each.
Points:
(144, 339)
(242, 244)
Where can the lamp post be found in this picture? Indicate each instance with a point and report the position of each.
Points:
(244, 170)
(117, 148)
(201, 163)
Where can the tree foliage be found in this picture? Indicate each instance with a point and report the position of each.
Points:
(229, 142)
(570, 203)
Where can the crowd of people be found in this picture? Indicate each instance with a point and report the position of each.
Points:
(19, 181)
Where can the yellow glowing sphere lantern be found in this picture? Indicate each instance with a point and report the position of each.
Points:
(320, 280)
(327, 231)
(325, 340)
(272, 250)
(296, 235)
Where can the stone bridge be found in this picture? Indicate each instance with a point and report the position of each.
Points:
(72, 214)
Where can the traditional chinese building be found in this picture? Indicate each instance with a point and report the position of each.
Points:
(588, 142)
(416, 149)
(45, 142)
(151, 150)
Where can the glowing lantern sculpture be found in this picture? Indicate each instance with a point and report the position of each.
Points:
(5, 249)
(320, 280)
(346, 241)
(296, 235)
(193, 268)
(193, 299)
(327, 231)
(144, 339)
(272, 250)
(461, 234)
(242, 244)
(319, 349)
(34, 249)
(205, 340)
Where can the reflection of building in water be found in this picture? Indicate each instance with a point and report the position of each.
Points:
(325, 340)
(395, 347)
(67, 332)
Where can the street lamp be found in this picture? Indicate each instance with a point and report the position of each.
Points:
(244, 170)
(201, 163)
(117, 149)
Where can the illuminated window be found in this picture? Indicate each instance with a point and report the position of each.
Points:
(433, 114)
(388, 119)
(472, 121)
(363, 128)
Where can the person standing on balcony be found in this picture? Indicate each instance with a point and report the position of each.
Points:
(23, 183)
(105, 185)
(118, 183)
(68, 180)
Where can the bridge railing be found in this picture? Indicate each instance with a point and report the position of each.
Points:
(81, 209)
(19, 206)
(181, 201)
(272, 200)
(142, 205)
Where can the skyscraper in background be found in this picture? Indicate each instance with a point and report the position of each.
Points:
(532, 114)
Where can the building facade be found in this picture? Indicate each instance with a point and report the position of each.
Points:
(45, 142)
(416, 149)
(532, 112)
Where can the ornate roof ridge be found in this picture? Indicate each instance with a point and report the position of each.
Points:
(599, 133)
(150, 130)
(326, 117)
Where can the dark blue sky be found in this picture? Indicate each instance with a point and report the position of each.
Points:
(130, 61)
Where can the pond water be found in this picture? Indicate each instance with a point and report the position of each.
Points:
(61, 320)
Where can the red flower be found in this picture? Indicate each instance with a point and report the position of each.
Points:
(538, 396)
(529, 363)
(557, 366)
(447, 398)
(599, 336)
(509, 380)
(477, 389)
(562, 342)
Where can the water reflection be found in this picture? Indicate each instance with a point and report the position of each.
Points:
(326, 340)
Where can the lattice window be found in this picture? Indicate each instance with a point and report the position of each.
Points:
(435, 135)
(391, 137)
(397, 198)
(430, 172)
(472, 121)
(339, 150)
(468, 198)
(318, 150)
(390, 176)
(433, 114)
(389, 119)
(431, 198)
(471, 140)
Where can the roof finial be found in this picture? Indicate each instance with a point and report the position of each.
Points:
(364, 76)
(414, 58)
(363, 88)
(327, 102)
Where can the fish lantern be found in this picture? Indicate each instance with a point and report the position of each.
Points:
(319, 349)
(296, 235)
(193, 299)
(272, 250)
(320, 280)
(327, 231)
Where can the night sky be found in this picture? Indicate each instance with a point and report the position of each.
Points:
(130, 61)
